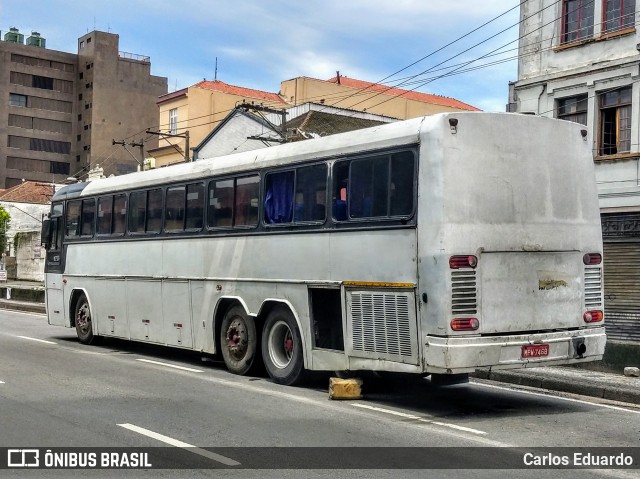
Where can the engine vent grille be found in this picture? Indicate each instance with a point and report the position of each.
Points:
(593, 287)
(464, 292)
(383, 324)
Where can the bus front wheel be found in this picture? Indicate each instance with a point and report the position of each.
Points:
(282, 347)
(84, 328)
(238, 340)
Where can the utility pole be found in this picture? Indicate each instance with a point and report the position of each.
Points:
(184, 135)
(133, 143)
(283, 114)
(141, 145)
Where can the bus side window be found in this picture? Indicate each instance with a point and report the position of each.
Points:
(154, 211)
(402, 175)
(278, 199)
(88, 217)
(246, 203)
(195, 206)
(137, 211)
(174, 213)
(340, 190)
(220, 207)
(119, 214)
(72, 229)
(311, 193)
(105, 214)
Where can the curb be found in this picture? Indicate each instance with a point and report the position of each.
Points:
(578, 386)
(24, 306)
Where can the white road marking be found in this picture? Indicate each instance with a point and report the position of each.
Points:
(418, 418)
(183, 445)
(580, 401)
(1, 382)
(170, 365)
(36, 339)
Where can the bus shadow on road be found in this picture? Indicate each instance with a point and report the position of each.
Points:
(405, 391)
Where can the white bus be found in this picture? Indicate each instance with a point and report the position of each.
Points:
(430, 246)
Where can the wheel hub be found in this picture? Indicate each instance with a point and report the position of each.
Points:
(236, 339)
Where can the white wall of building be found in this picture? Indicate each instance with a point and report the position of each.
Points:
(549, 71)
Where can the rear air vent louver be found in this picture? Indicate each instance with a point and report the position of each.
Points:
(593, 287)
(463, 292)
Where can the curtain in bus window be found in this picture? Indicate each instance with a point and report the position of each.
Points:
(119, 214)
(195, 205)
(154, 211)
(73, 219)
(88, 217)
(246, 204)
(311, 193)
(278, 200)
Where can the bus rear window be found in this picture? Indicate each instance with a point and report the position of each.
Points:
(376, 187)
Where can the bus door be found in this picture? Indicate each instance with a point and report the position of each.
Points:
(54, 267)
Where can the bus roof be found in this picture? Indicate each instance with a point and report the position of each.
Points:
(368, 139)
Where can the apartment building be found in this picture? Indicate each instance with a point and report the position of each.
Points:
(60, 112)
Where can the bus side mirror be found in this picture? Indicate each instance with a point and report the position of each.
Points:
(45, 234)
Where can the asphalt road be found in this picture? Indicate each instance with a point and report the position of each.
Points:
(56, 392)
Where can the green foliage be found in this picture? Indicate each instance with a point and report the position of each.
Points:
(5, 219)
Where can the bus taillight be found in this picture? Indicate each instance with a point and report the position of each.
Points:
(592, 316)
(591, 259)
(457, 262)
(465, 324)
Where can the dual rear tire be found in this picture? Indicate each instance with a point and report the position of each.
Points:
(279, 341)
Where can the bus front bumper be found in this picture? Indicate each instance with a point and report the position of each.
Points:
(466, 354)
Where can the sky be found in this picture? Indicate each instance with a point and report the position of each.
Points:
(432, 46)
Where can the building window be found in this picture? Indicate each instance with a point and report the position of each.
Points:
(615, 122)
(17, 100)
(173, 121)
(82, 44)
(577, 20)
(573, 109)
(618, 15)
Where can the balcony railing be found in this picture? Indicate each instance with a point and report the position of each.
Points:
(135, 57)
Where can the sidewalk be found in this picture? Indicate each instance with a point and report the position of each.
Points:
(605, 385)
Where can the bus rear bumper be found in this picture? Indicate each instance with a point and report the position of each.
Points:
(466, 354)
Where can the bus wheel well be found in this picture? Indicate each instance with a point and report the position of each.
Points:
(75, 296)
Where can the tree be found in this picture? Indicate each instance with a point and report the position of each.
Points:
(5, 219)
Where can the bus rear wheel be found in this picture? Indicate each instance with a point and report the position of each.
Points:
(282, 348)
(238, 340)
(84, 327)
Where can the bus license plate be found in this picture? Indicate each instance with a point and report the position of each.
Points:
(535, 351)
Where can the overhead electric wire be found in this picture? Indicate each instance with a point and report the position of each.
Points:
(476, 59)
(457, 69)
